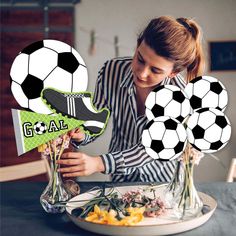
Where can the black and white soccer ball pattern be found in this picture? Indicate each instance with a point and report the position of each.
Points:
(40, 128)
(164, 138)
(167, 100)
(47, 63)
(206, 91)
(208, 130)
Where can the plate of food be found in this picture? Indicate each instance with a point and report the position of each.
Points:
(132, 211)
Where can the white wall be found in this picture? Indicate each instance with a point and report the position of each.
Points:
(126, 18)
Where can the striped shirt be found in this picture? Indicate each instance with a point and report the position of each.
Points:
(127, 159)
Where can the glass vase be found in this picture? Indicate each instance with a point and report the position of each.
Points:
(55, 192)
(181, 194)
(176, 184)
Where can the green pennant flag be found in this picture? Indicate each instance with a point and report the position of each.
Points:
(33, 129)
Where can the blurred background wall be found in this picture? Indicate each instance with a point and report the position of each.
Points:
(110, 20)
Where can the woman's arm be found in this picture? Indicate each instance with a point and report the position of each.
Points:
(119, 163)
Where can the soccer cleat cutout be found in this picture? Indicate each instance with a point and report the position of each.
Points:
(79, 106)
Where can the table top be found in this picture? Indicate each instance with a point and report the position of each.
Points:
(22, 214)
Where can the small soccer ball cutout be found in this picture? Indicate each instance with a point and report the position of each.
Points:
(206, 91)
(47, 63)
(208, 130)
(167, 100)
(164, 138)
(40, 128)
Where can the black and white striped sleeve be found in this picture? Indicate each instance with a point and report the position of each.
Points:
(122, 162)
(127, 162)
(178, 81)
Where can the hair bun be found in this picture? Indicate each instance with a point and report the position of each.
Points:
(184, 22)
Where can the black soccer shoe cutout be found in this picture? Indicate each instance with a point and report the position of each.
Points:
(77, 106)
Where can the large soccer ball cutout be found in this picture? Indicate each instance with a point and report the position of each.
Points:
(47, 63)
(167, 100)
(206, 91)
(208, 130)
(164, 138)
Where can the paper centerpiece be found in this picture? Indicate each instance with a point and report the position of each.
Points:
(56, 65)
(206, 92)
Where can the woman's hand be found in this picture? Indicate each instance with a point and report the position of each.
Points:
(80, 164)
(77, 134)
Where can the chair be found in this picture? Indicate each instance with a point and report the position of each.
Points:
(25, 170)
(232, 171)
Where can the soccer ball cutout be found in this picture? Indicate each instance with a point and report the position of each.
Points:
(206, 91)
(208, 130)
(47, 63)
(40, 128)
(167, 100)
(164, 138)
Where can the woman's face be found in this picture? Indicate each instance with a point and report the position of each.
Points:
(148, 68)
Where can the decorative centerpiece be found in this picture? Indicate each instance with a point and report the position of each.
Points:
(38, 74)
(204, 128)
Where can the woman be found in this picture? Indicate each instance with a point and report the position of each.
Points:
(166, 47)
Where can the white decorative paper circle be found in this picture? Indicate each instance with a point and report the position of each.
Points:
(164, 138)
(47, 63)
(208, 130)
(206, 91)
(167, 100)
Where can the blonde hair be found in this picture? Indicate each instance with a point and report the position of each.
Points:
(178, 40)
